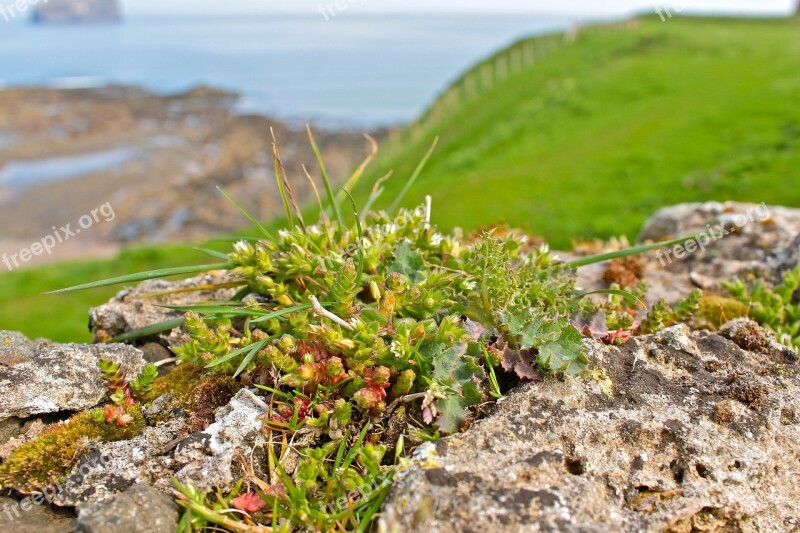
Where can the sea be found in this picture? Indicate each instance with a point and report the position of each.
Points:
(356, 70)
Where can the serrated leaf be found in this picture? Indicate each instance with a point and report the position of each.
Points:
(463, 375)
(564, 354)
(408, 262)
(531, 329)
(451, 414)
(520, 362)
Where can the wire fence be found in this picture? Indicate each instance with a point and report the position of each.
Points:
(519, 57)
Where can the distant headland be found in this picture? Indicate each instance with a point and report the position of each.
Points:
(77, 11)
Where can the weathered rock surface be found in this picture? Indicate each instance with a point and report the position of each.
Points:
(698, 435)
(743, 239)
(33, 518)
(38, 377)
(128, 310)
(140, 509)
(211, 458)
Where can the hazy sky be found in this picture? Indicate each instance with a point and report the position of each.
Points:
(588, 7)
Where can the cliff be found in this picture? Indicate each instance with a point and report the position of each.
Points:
(71, 11)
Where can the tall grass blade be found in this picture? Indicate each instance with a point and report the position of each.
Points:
(331, 198)
(212, 253)
(279, 180)
(322, 215)
(246, 213)
(360, 239)
(144, 276)
(377, 190)
(635, 250)
(287, 186)
(414, 176)
(147, 331)
(356, 177)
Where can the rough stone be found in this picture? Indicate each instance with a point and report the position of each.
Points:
(746, 239)
(211, 458)
(140, 509)
(129, 310)
(37, 518)
(561, 455)
(38, 377)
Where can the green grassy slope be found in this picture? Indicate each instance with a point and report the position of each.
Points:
(63, 317)
(588, 142)
(593, 139)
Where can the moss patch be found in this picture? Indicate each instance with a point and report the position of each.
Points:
(198, 394)
(718, 310)
(50, 457)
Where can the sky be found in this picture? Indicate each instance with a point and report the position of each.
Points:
(579, 7)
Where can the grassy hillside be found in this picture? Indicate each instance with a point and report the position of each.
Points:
(594, 138)
(587, 142)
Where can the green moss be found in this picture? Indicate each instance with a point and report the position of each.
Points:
(180, 382)
(717, 310)
(50, 457)
(194, 392)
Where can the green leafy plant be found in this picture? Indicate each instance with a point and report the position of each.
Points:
(351, 327)
(777, 308)
(661, 315)
(124, 393)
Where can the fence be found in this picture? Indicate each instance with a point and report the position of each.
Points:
(517, 58)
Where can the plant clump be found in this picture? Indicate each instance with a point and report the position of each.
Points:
(776, 308)
(368, 336)
(346, 327)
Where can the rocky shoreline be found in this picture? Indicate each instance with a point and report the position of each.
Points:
(692, 429)
(156, 159)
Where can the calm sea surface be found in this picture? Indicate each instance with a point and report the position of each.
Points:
(355, 70)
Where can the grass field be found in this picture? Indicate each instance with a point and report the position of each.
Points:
(587, 143)
(595, 138)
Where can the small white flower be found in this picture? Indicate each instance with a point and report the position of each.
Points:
(243, 248)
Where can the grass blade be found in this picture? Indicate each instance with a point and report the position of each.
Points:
(377, 190)
(218, 310)
(246, 213)
(360, 239)
(144, 276)
(287, 194)
(413, 177)
(331, 198)
(212, 253)
(147, 331)
(281, 312)
(356, 177)
(635, 250)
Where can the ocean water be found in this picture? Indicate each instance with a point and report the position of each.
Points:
(355, 70)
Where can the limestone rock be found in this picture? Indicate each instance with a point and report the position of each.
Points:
(698, 433)
(742, 239)
(128, 310)
(33, 518)
(140, 509)
(38, 377)
(211, 458)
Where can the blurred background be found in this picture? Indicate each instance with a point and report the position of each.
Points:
(574, 120)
